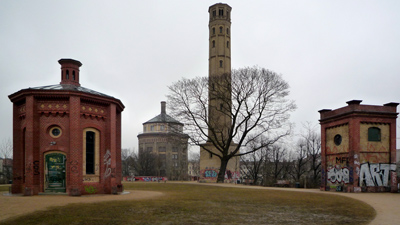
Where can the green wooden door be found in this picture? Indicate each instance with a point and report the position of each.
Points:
(55, 172)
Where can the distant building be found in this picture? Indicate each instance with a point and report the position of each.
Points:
(358, 148)
(163, 136)
(66, 138)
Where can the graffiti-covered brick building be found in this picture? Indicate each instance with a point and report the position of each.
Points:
(66, 138)
(359, 148)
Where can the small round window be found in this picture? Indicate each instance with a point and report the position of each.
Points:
(337, 139)
(55, 132)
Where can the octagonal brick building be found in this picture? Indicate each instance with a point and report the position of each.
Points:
(67, 138)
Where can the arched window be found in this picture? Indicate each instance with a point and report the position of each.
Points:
(374, 134)
(73, 75)
(227, 30)
(67, 75)
(213, 30)
(220, 63)
(90, 144)
(220, 30)
(213, 44)
(91, 154)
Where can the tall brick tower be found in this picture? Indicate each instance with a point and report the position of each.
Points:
(219, 104)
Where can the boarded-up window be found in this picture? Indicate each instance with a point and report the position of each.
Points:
(374, 134)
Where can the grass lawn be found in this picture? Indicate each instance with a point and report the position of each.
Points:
(5, 187)
(196, 204)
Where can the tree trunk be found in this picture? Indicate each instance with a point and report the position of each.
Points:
(222, 169)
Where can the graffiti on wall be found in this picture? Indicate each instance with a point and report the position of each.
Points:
(232, 175)
(375, 174)
(107, 162)
(149, 179)
(337, 174)
(36, 168)
(212, 174)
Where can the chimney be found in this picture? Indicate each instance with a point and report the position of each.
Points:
(70, 71)
(163, 104)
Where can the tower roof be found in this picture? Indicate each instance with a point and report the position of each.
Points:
(69, 83)
(163, 117)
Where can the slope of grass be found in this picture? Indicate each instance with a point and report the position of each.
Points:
(194, 204)
(5, 187)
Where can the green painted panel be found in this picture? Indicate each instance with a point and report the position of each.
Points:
(55, 172)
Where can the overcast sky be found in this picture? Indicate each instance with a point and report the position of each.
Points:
(330, 52)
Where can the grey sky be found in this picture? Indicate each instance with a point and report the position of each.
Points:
(329, 51)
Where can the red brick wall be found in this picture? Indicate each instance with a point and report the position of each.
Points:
(38, 115)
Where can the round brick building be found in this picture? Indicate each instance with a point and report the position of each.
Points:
(67, 138)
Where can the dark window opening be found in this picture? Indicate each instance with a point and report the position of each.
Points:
(213, 30)
(210, 155)
(90, 145)
(220, 63)
(221, 12)
(227, 44)
(337, 139)
(67, 75)
(221, 106)
(374, 134)
(220, 30)
(214, 13)
(73, 75)
(213, 87)
(213, 44)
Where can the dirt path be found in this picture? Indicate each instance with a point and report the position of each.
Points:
(387, 205)
(11, 206)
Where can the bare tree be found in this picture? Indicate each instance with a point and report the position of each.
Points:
(127, 161)
(6, 154)
(277, 156)
(147, 164)
(194, 160)
(6, 149)
(231, 110)
(312, 141)
(299, 163)
(253, 164)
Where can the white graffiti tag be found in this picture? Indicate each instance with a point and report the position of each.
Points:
(375, 174)
(337, 174)
(107, 162)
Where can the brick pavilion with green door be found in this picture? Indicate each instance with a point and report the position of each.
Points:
(66, 138)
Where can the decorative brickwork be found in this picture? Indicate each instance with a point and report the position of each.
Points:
(49, 125)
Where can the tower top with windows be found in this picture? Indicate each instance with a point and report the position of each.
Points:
(220, 11)
(70, 71)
